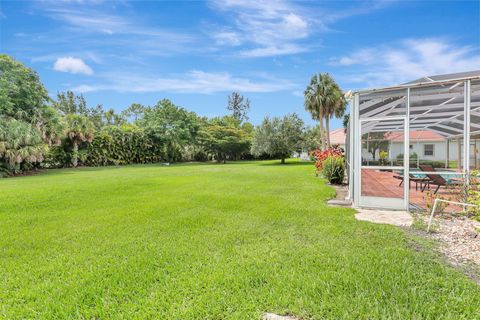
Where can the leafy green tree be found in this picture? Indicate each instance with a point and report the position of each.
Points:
(78, 129)
(324, 100)
(135, 111)
(69, 103)
(310, 140)
(97, 115)
(239, 106)
(170, 126)
(113, 119)
(27, 124)
(225, 138)
(278, 137)
(22, 95)
(374, 141)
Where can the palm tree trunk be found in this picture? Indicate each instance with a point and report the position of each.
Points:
(322, 140)
(327, 128)
(75, 154)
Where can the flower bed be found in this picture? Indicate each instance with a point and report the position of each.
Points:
(330, 163)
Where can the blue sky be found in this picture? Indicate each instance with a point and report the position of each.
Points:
(196, 52)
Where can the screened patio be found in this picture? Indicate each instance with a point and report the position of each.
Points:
(412, 142)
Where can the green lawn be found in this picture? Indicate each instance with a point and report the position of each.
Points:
(209, 242)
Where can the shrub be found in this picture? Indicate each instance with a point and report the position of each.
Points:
(383, 157)
(334, 169)
(413, 156)
(122, 145)
(320, 155)
(21, 147)
(473, 193)
(56, 157)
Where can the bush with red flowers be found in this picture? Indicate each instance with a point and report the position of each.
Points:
(321, 155)
(330, 164)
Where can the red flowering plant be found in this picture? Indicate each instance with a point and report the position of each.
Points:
(330, 163)
(321, 155)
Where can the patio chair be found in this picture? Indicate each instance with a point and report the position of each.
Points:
(418, 179)
(437, 180)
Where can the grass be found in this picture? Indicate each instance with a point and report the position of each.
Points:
(209, 242)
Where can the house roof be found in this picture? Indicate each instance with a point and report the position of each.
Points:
(338, 136)
(448, 76)
(417, 136)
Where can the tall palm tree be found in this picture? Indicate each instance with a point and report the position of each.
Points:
(336, 105)
(79, 129)
(50, 125)
(314, 104)
(324, 100)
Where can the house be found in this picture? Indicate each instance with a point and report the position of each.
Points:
(425, 146)
(338, 137)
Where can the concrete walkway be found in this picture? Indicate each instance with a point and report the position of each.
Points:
(396, 218)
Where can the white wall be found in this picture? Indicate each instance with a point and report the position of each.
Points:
(439, 150)
(439, 153)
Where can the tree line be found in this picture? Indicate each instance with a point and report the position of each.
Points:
(37, 131)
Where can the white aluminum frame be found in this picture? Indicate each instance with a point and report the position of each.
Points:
(382, 202)
(466, 128)
(376, 95)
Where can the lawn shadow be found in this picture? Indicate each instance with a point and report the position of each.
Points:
(287, 163)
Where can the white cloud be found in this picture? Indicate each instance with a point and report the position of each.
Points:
(98, 22)
(298, 93)
(89, 20)
(363, 56)
(408, 60)
(191, 82)
(273, 51)
(83, 88)
(280, 27)
(81, 23)
(226, 37)
(273, 27)
(72, 65)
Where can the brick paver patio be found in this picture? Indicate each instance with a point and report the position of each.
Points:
(378, 183)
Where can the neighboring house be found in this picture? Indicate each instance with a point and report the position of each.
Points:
(338, 137)
(427, 144)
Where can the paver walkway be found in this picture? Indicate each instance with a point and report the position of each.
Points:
(396, 218)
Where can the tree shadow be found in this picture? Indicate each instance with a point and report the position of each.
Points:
(287, 163)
